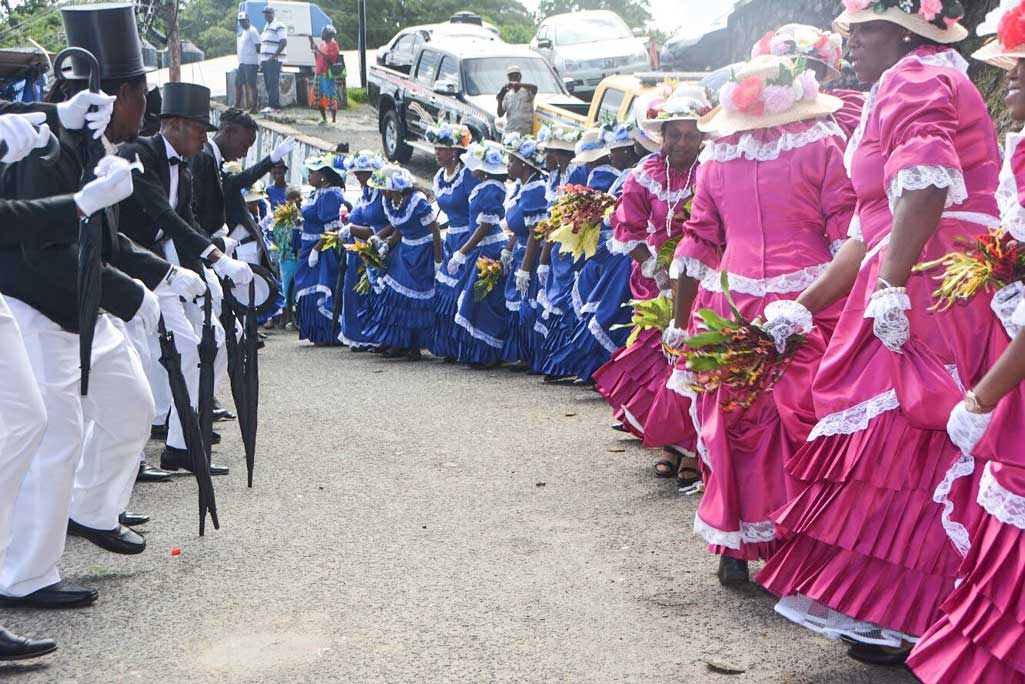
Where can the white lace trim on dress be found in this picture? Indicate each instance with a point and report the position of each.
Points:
(926, 176)
(485, 184)
(594, 327)
(680, 382)
(488, 218)
(442, 190)
(621, 247)
(1012, 213)
(835, 246)
(832, 624)
(405, 291)
(749, 533)
(1001, 503)
(445, 279)
(798, 281)
(963, 467)
(856, 418)
(748, 147)
(655, 188)
(416, 242)
(472, 331)
(690, 267)
(397, 219)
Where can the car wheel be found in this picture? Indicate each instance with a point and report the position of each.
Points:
(393, 138)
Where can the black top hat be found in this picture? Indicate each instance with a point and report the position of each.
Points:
(110, 34)
(186, 101)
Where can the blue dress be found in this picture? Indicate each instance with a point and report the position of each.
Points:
(603, 286)
(276, 195)
(602, 177)
(483, 325)
(527, 205)
(368, 212)
(403, 315)
(453, 197)
(314, 287)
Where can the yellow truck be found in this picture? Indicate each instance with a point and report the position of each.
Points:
(615, 96)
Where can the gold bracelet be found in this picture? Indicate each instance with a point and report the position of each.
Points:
(972, 403)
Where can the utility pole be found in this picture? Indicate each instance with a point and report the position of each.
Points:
(174, 43)
(362, 4)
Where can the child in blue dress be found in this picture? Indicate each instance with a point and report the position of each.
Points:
(483, 324)
(317, 276)
(403, 316)
(453, 185)
(526, 206)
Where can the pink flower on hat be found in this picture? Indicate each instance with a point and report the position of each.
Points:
(809, 84)
(726, 96)
(930, 9)
(856, 5)
(778, 99)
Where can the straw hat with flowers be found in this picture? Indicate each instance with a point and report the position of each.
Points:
(801, 40)
(558, 138)
(591, 147)
(1008, 23)
(686, 103)
(767, 92)
(933, 19)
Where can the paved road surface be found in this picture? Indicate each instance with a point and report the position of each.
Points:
(422, 523)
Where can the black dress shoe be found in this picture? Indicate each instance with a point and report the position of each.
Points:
(121, 539)
(732, 572)
(14, 647)
(148, 473)
(132, 519)
(60, 595)
(215, 437)
(178, 459)
(158, 431)
(619, 427)
(870, 654)
(222, 414)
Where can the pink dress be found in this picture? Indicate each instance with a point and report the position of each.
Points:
(630, 380)
(771, 207)
(866, 554)
(980, 636)
(849, 116)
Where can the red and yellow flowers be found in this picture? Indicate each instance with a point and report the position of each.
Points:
(367, 251)
(990, 261)
(580, 212)
(489, 273)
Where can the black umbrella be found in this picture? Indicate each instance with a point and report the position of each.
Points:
(233, 349)
(339, 291)
(251, 381)
(207, 354)
(90, 233)
(170, 359)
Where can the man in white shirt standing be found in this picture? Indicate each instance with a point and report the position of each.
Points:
(272, 55)
(248, 49)
(516, 103)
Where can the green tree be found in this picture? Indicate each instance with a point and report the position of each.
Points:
(39, 20)
(634, 12)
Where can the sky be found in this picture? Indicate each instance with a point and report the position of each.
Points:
(693, 17)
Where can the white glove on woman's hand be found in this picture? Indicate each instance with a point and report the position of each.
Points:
(344, 233)
(313, 259)
(542, 274)
(662, 279)
(522, 281)
(455, 263)
(966, 429)
(437, 267)
(148, 314)
(649, 267)
(1004, 302)
(383, 248)
(282, 148)
(672, 336)
(185, 283)
(891, 324)
(784, 318)
(74, 114)
(237, 271)
(506, 260)
(21, 136)
(112, 184)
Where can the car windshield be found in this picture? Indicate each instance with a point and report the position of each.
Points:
(590, 28)
(487, 75)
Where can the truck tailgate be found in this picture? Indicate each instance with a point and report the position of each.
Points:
(553, 115)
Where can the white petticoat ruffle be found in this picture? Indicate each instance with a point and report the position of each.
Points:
(749, 147)
(680, 382)
(832, 624)
(927, 176)
(958, 533)
(405, 291)
(998, 501)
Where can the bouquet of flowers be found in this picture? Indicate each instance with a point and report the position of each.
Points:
(489, 272)
(648, 313)
(666, 253)
(737, 354)
(581, 212)
(286, 214)
(367, 251)
(990, 261)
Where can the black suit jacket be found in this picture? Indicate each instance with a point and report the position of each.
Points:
(148, 211)
(44, 273)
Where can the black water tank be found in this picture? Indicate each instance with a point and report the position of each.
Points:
(466, 18)
(149, 54)
(191, 53)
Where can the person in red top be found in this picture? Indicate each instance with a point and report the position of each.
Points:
(325, 92)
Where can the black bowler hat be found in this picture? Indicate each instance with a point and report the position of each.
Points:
(186, 101)
(108, 31)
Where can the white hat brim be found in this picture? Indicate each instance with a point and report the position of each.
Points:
(721, 122)
(994, 53)
(912, 22)
(590, 156)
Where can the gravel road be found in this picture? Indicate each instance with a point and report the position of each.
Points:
(422, 523)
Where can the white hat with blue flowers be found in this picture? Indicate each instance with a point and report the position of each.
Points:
(364, 160)
(487, 156)
(591, 147)
(558, 138)
(526, 149)
(391, 177)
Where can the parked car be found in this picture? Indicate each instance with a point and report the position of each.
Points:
(585, 47)
(399, 52)
(455, 80)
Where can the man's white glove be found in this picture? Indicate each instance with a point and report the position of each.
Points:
(74, 114)
(506, 260)
(229, 245)
(522, 281)
(1004, 302)
(282, 149)
(542, 274)
(185, 283)
(148, 314)
(112, 184)
(313, 259)
(966, 429)
(455, 263)
(784, 318)
(891, 324)
(20, 134)
(237, 271)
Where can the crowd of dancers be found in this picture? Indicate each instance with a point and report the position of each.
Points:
(879, 476)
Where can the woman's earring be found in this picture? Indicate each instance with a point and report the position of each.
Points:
(907, 39)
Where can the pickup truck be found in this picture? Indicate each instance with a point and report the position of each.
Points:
(456, 80)
(615, 96)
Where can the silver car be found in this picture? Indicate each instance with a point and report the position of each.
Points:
(585, 47)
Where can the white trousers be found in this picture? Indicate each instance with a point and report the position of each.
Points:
(121, 407)
(22, 419)
(186, 341)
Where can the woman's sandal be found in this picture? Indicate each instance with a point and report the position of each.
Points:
(667, 466)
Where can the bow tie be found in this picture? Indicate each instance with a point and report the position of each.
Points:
(174, 161)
